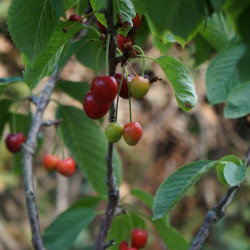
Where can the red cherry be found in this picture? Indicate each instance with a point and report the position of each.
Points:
(13, 141)
(122, 40)
(132, 133)
(137, 21)
(93, 109)
(104, 89)
(74, 18)
(139, 237)
(50, 161)
(132, 248)
(124, 87)
(66, 167)
(101, 27)
(123, 245)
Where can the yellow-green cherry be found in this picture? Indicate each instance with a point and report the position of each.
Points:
(139, 87)
(113, 132)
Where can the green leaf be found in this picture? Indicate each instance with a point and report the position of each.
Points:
(77, 90)
(221, 165)
(122, 226)
(81, 6)
(238, 104)
(181, 81)
(62, 233)
(143, 196)
(46, 61)
(60, 6)
(177, 184)
(96, 6)
(180, 17)
(4, 107)
(88, 146)
(218, 31)
(203, 50)
(222, 75)
(171, 237)
(91, 53)
(31, 24)
(7, 81)
(234, 174)
(126, 10)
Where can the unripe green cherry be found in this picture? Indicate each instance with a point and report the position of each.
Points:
(113, 132)
(139, 86)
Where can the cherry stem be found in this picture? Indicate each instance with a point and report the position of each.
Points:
(131, 69)
(129, 97)
(54, 147)
(148, 57)
(62, 142)
(118, 95)
(143, 58)
(107, 56)
(92, 28)
(14, 116)
(97, 59)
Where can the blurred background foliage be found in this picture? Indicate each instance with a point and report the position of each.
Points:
(171, 139)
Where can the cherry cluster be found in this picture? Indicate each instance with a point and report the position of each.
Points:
(103, 90)
(139, 240)
(65, 167)
(13, 142)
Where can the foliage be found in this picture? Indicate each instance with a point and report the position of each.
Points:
(46, 42)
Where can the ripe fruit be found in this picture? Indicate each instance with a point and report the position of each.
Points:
(132, 248)
(139, 237)
(132, 133)
(123, 245)
(101, 27)
(139, 86)
(104, 89)
(13, 141)
(122, 40)
(137, 21)
(74, 18)
(124, 87)
(93, 109)
(66, 167)
(113, 132)
(50, 161)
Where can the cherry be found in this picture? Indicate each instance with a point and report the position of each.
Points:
(66, 167)
(101, 27)
(137, 21)
(123, 245)
(139, 237)
(93, 109)
(113, 132)
(124, 87)
(13, 142)
(132, 248)
(74, 18)
(139, 86)
(104, 89)
(132, 133)
(122, 40)
(50, 161)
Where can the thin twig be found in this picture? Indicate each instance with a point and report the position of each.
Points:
(48, 123)
(216, 213)
(113, 191)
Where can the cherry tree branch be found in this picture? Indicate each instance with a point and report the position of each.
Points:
(216, 213)
(113, 191)
(29, 148)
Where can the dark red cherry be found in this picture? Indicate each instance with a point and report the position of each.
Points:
(101, 27)
(104, 89)
(74, 18)
(122, 40)
(93, 109)
(13, 141)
